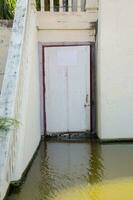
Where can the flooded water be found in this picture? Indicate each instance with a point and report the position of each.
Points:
(63, 165)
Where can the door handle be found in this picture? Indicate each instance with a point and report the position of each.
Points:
(87, 98)
(86, 105)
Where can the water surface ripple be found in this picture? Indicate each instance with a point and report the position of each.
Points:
(62, 165)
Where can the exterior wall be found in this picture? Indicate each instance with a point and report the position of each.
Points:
(20, 97)
(66, 26)
(115, 69)
(29, 133)
(5, 33)
(66, 36)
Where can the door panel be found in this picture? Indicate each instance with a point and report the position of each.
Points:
(55, 96)
(67, 75)
(77, 91)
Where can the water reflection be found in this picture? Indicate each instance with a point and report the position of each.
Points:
(46, 182)
(113, 190)
(64, 165)
(96, 170)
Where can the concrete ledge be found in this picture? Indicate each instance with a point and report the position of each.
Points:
(66, 21)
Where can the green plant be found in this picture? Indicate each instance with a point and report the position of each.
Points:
(38, 5)
(6, 123)
(7, 9)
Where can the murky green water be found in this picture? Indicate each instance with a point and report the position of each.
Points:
(61, 165)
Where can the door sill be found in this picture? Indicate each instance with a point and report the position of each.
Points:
(70, 136)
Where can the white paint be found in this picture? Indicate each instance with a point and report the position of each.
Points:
(67, 78)
(60, 5)
(51, 5)
(42, 5)
(29, 113)
(66, 20)
(20, 97)
(69, 5)
(66, 36)
(69, 53)
(66, 26)
(115, 70)
(78, 5)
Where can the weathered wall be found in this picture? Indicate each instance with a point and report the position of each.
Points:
(5, 33)
(115, 69)
(66, 36)
(20, 97)
(29, 133)
(66, 27)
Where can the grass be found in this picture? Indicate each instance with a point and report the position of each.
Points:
(8, 123)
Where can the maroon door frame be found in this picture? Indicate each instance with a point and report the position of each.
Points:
(42, 47)
(93, 89)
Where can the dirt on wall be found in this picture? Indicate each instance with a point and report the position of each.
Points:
(5, 34)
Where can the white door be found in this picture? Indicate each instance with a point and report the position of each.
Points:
(67, 89)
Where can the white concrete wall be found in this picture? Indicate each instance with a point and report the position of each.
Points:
(115, 69)
(29, 133)
(57, 36)
(5, 34)
(20, 97)
(66, 27)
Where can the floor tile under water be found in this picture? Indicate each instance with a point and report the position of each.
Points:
(62, 165)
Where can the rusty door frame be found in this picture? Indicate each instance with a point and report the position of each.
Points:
(42, 47)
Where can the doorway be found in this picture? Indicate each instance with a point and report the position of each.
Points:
(67, 88)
